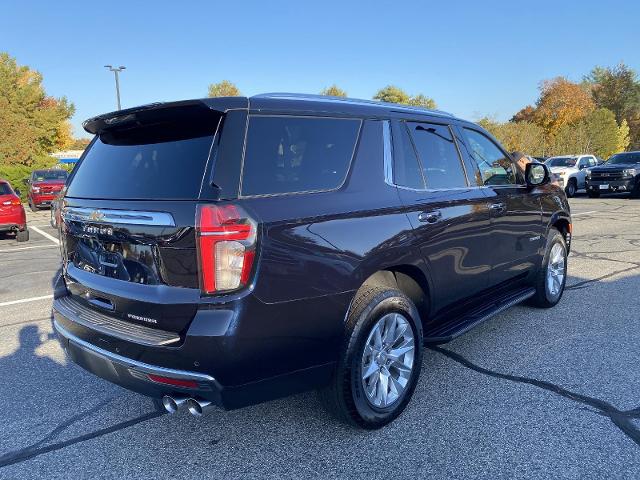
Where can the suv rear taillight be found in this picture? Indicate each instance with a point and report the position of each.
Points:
(226, 247)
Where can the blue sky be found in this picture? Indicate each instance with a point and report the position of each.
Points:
(474, 58)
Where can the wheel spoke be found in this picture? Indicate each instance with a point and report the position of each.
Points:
(384, 387)
(370, 370)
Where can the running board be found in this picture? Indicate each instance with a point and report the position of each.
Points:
(443, 332)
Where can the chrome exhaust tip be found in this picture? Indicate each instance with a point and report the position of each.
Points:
(197, 407)
(173, 404)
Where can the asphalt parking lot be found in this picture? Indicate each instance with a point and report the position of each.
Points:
(529, 394)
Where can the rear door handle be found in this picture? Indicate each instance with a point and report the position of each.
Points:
(430, 217)
(498, 207)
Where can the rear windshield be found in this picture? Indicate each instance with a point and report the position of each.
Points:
(42, 175)
(5, 189)
(146, 163)
(297, 154)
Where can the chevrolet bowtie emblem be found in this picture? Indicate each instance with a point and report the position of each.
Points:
(96, 216)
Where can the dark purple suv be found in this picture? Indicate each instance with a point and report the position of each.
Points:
(230, 251)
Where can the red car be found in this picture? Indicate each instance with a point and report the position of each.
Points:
(44, 187)
(12, 215)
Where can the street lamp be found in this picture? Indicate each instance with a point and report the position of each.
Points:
(116, 71)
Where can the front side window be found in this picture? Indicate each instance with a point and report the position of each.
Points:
(438, 154)
(496, 168)
(297, 154)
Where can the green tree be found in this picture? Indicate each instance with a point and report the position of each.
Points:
(618, 89)
(422, 101)
(223, 89)
(32, 124)
(598, 133)
(333, 91)
(393, 94)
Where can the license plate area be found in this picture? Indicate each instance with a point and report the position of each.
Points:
(604, 186)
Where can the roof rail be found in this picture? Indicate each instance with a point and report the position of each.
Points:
(354, 101)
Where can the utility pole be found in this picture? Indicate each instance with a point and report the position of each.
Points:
(116, 71)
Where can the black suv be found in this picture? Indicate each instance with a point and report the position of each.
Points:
(230, 251)
(620, 173)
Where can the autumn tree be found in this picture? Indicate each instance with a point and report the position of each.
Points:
(333, 91)
(224, 89)
(32, 124)
(393, 94)
(527, 114)
(598, 133)
(525, 137)
(561, 102)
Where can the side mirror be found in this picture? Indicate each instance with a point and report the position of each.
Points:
(17, 191)
(536, 174)
(582, 167)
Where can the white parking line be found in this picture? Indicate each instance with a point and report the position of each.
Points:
(26, 300)
(33, 247)
(46, 235)
(584, 213)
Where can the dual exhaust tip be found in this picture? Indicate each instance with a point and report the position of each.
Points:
(195, 406)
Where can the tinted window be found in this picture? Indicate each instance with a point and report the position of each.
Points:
(561, 162)
(496, 168)
(296, 154)
(5, 189)
(142, 166)
(438, 154)
(620, 158)
(406, 169)
(41, 175)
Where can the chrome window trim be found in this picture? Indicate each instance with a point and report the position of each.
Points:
(387, 153)
(126, 217)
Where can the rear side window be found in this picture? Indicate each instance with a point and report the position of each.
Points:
(439, 155)
(297, 154)
(5, 189)
(406, 168)
(147, 163)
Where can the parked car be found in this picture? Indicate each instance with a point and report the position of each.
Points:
(44, 186)
(620, 173)
(12, 215)
(228, 251)
(571, 171)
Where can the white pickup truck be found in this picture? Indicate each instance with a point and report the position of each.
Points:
(571, 170)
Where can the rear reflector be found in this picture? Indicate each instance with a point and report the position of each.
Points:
(175, 382)
(226, 247)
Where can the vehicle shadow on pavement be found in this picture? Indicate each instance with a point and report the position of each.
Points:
(258, 428)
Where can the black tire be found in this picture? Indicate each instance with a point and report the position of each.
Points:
(571, 188)
(543, 297)
(22, 236)
(345, 396)
(635, 193)
(593, 194)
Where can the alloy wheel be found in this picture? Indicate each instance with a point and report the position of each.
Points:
(555, 269)
(387, 360)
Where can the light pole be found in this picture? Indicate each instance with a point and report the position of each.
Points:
(116, 71)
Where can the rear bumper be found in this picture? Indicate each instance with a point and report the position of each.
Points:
(208, 347)
(43, 200)
(133, 374)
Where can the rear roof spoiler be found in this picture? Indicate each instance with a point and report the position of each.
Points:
(152, 111)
